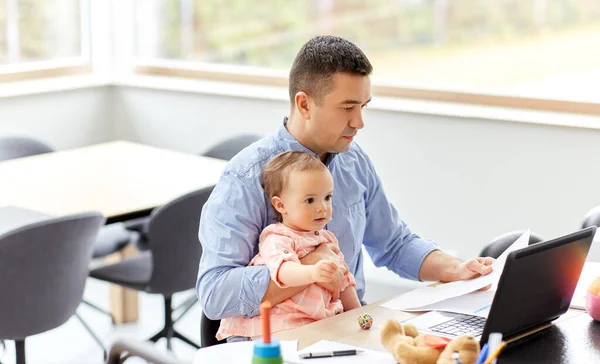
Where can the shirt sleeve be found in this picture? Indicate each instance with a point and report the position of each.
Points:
(276, 249)
(387, 239)
(230, 225)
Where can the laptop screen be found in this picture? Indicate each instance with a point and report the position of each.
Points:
(537, 284)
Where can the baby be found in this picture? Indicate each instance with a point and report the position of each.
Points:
(299, 187)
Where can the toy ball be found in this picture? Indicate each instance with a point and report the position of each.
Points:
(365, 321)
(592, 299)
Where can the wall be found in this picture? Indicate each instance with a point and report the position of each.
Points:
(64, 119)
(458, 181)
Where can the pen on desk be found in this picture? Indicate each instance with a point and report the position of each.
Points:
(495, 354)
(329, 354)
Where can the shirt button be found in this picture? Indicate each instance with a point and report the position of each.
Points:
(316, 233)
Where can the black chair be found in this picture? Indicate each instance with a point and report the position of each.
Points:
(43, 270)
(208, 332)
(592, 218)
(170, 265)
(499, 244)
(123, 349)
(228, 148)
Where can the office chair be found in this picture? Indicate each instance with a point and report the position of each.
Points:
(225, 150)
(170, 264)
(592, 218)
(123, 349)
(43, 270)
(499, 244)
(110, 239)
(228, 148)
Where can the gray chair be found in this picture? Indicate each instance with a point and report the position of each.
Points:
(43, 270)
(228, 148)
(110, 239)
(18, 147)
(123, 349)
(499, 244)
(170, 264)
(225, 150)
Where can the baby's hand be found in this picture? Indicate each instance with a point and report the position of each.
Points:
(324, 271)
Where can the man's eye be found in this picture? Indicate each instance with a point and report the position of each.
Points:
(309, 200)
(349, 108)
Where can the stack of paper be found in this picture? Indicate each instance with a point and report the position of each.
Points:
(448, 295)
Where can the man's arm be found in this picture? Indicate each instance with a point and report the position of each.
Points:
(230, 224)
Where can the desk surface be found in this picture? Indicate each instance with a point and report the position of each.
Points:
(574, 337)
(115, 178)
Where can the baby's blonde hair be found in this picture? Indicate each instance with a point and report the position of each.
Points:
(277, 171)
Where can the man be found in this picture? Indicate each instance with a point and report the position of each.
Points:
(329, 85)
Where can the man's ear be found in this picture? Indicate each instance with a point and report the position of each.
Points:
(303, 104)
(278, 204)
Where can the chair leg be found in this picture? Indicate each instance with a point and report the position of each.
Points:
(187, 305)
(93, 334)
(101, 310)
(20, 351)
(158, 336)
(168, 322)
(180, 336)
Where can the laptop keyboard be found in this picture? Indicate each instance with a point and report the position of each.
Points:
(461, 325)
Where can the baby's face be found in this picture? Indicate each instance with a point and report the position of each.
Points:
(307, 200)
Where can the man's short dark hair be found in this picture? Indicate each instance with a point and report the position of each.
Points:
(319, 59)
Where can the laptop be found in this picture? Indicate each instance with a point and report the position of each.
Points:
(535, 288)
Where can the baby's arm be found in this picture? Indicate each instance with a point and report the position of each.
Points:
(350, 299)
(295, 274)
(286, 270)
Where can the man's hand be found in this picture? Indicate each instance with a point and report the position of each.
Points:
(328, 252)
(324, 271)
(473, 268)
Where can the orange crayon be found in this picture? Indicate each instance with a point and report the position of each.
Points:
(265, 320)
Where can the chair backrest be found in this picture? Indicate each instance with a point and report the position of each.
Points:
(228, 148)
(592, 218)
(173, 241)
(499, 244)
(43, 270)
(208, 332)
(19, 147)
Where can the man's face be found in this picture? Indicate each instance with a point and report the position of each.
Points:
(333, 124)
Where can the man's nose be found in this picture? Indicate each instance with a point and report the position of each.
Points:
(357, 121)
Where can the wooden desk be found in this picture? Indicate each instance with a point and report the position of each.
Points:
(119, 179)
(574, 337)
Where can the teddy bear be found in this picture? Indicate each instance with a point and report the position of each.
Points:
(409, 347)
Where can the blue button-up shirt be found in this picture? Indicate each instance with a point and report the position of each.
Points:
(238, 210)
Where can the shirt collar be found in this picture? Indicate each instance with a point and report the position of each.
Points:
(293, 144)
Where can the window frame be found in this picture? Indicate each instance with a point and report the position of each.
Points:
(62, 67)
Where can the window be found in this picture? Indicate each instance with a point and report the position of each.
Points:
(542, 49)
(42, 34)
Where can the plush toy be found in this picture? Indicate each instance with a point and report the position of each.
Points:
(409, 347)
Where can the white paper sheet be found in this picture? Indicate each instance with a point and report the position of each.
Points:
(591, 270)
(367, 356)
(240, 352)
(476, 303)
(421, 297)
